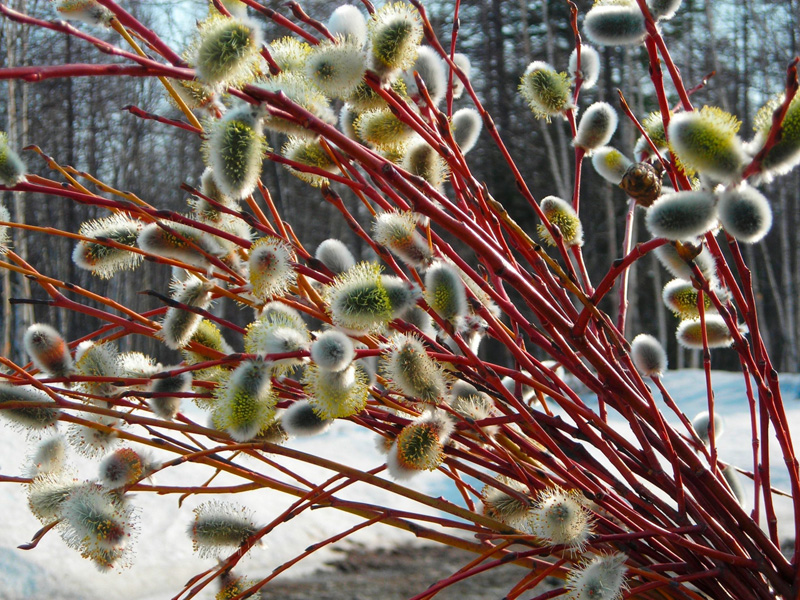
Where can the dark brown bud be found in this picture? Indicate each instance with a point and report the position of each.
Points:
(642, 182)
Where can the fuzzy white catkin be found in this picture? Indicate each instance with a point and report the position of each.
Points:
(648, 355)
(700, 425)
(48, 350)
(669, 258)
(462, 62)
(466, 125)
(335, 256)
(332, 350)
(167, 407)
(682, 215)
(603, 578)
(347, 21)
(745, 214)
(590, 65)
(430, 67)
(336, 68)
(596, 127)
(300, 420)
(615, 25)
(732, 478)
(663, 10)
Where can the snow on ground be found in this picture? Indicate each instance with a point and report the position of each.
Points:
(164, 559)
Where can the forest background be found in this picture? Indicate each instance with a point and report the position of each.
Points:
(85, 123)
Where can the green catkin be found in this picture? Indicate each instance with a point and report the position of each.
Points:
(445, 293)
(785, 154)
(382, 128)
(610, 164)
(245, 403)
(653, 125)
(297, 88)
(396, 32)
(680, 297)
(235, 151)
(336, 394)
(705, 140)
(690, 333)
(290, 54)
(311, 154)
(97, 360)
(420, 445)
(562, 216)
(179, 324)
(98, 524)
(220, 526)
(357, 299)
(365, 98)
(545, 89)
(408, 366)
(227, 51)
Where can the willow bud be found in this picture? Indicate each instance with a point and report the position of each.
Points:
(596, 127)
(682, 215)
(745, 214)
(335, 256)
(618, 24)
(348, 22)
(590, 66)
(466, 125)
(648, 355)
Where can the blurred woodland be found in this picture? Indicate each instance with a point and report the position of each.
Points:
(83, 122)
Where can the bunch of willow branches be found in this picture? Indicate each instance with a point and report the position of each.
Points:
(394, 346)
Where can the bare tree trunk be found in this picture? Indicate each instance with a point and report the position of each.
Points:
(16, 320)
(557, 155)
(712, 46)
(789, 326)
